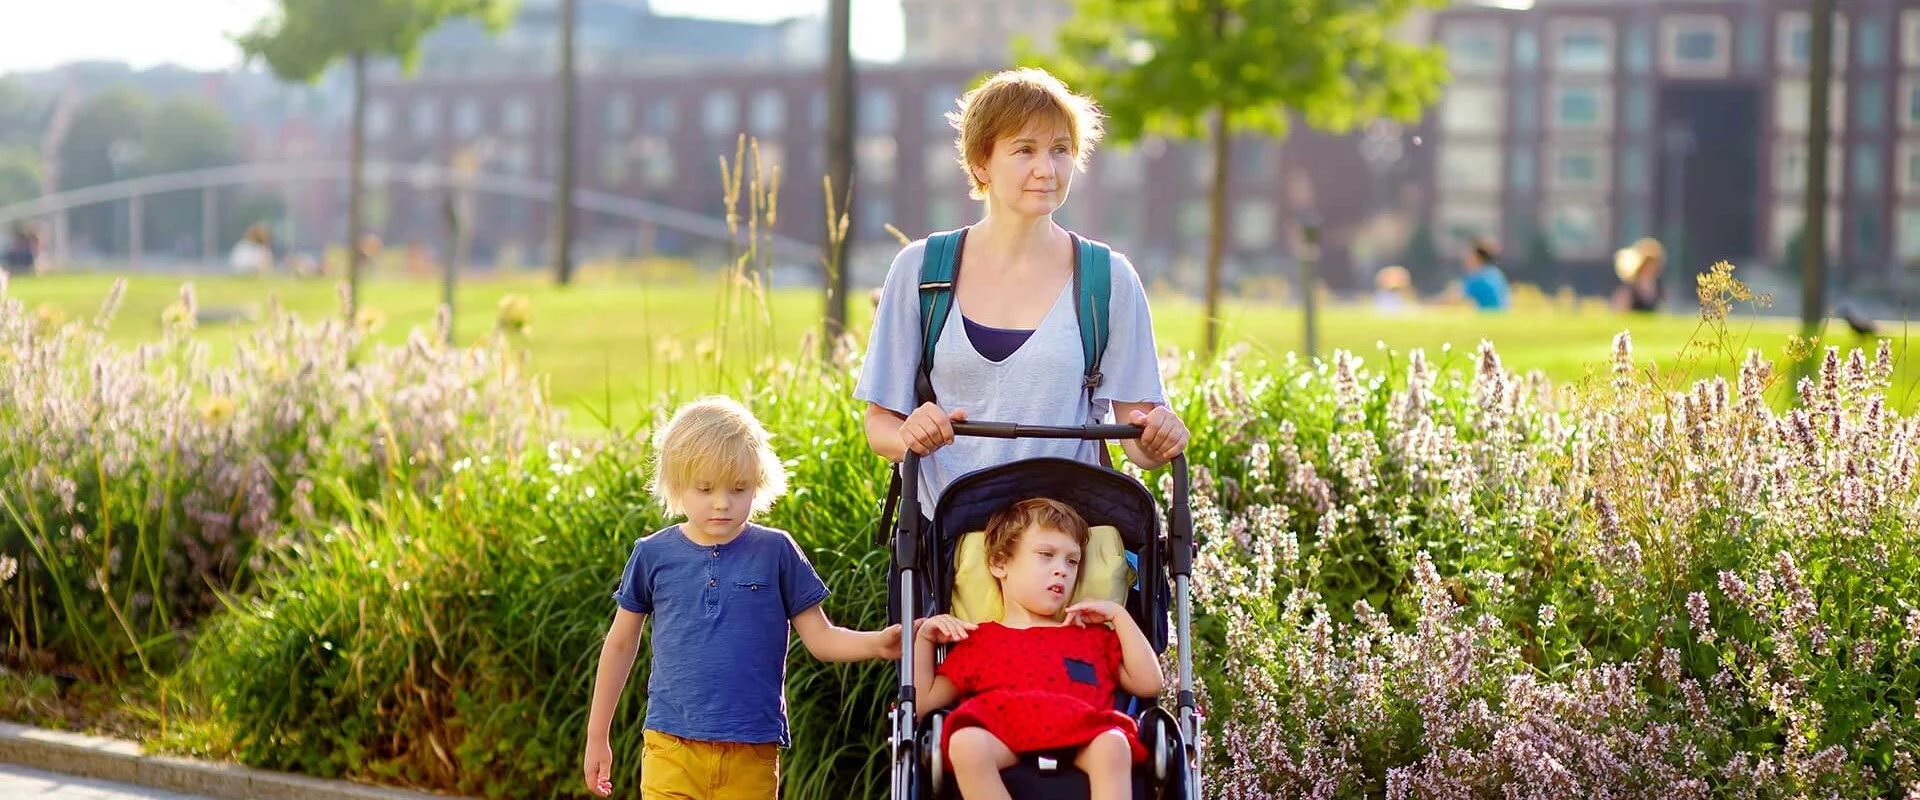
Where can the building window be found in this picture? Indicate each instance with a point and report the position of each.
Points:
(940, 165)
(1577, 229)
(1753, 48)
(1526, 50)
(1639, 50)
(1796, 41)
(876, 111)
(516, 116)
(1579, 167)
(875, 155)
(1696, 46)
(1791, 105)
(1639, 110)
(1909, 173)
(1633, 168)
(769, 112)
(1469, 167)
(720, 114)
(1253, 224)
(379, 119)
(1868, 233)
(1522, 169)
(1869, 172)
(1910, 37)
(1869, 104)
(1790, 168)
(1475, 49)
(616, 167)
(663, 115)
(941, 100)
(656, 158)
(1193, 220)
(466, 118)
(1123, 167)
(1787, 225)
(1633, 220)
(943, 213)
(619, 114)
(1461, 221)
(1909, 239)
(1580, 108)
(1526, 108)
(1583, 47)
(1873, 42)
(426, 119)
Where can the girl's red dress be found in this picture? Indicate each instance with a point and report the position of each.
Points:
(1038, 688)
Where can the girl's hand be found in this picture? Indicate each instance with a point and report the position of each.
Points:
(1094, 612)
(945, 628)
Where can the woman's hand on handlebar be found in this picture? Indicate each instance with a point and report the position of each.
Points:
(929, 428)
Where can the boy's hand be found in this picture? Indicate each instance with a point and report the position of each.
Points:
(598, 768)
(889, 643)
(1095, 612)
(945, 628)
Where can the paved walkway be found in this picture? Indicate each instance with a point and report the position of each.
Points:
(22, 783)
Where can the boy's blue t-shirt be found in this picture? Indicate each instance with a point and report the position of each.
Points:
(1487, 288)
(720, 621)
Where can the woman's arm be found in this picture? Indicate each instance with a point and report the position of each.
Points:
(1165, 435)
(929, 428)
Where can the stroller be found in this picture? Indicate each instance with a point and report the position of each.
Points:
(1160, 554)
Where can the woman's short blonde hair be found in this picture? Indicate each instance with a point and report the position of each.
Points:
(715, 440)
(1006, 104)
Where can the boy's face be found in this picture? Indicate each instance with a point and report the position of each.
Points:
(1042, 572)
(716, 510)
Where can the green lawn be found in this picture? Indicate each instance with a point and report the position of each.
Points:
(610, 344)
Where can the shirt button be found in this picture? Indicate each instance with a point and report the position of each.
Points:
(713, 582)
(716, 554)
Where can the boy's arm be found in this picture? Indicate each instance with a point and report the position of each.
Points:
(1139, 665)
(616, 663)
(830, 642)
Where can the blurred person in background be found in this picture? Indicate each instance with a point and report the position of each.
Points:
(1638, 268)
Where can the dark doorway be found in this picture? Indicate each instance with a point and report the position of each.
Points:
(1707, 200)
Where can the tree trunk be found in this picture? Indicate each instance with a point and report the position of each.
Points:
(841, 101)
(1216, 233)
(1813, 272)
(356, 167)
(569, 145)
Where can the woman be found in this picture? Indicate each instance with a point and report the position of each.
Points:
(1010, 351)
(1639, 270)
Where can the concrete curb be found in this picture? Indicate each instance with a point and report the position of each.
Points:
(125, 762)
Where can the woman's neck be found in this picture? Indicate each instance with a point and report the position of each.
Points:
(1006, 238)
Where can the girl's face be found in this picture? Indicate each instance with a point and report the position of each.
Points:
(1041, 573)
(1028, 173)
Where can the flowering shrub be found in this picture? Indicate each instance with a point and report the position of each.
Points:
(137, 484)
(1476, 588)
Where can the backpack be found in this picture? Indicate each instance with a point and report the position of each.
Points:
(939, 270)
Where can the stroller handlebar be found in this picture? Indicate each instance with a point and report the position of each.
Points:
(1013, 430)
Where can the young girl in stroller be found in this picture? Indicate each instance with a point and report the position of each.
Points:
(1043, 677)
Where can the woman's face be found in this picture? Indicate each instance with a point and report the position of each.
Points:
(1029, 172)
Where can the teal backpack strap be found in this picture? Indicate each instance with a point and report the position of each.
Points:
(938, 270)
(1093, 296)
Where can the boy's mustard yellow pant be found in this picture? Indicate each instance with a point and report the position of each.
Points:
(672, 768)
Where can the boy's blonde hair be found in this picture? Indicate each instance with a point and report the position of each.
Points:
(1006, 104)
(1006, 525)
(717, 440)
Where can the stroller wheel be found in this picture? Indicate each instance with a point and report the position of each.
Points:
(1162, 753)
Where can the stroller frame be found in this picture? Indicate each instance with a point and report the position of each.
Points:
(909, 537)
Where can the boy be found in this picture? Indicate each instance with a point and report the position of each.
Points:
(721, 593)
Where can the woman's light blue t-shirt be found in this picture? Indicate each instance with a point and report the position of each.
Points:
(1039, 384)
